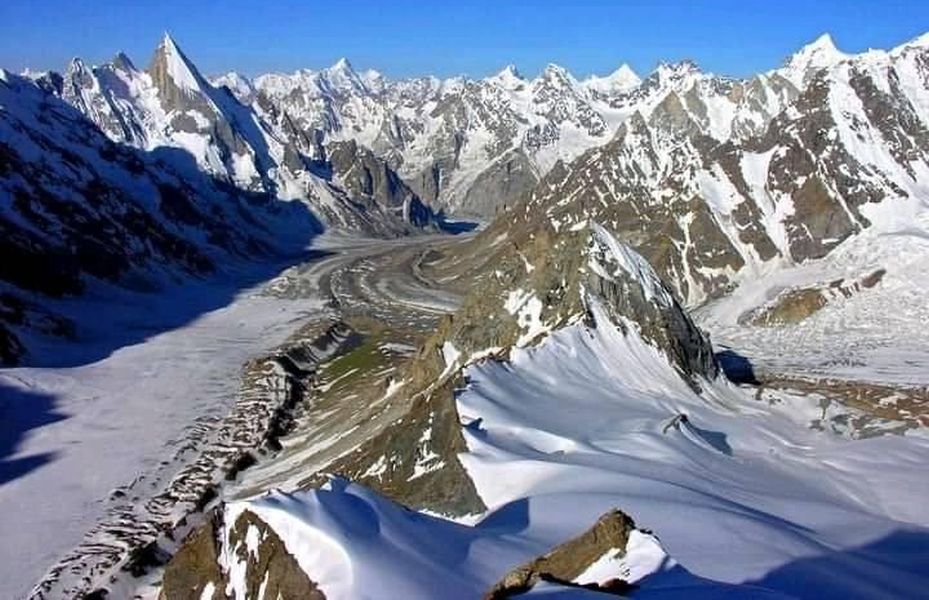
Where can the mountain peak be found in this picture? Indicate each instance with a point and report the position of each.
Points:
(343, 77)
(821, 53)
(510, 71)
(123, 62)
(168, 42)
(508, 78)
(823, 43)
(623, 78)
(76, 65)
(681, 67)
(170, 64)
(557, 75)
(342, 65)
(675, 73)
(240, 86)
(554, 69)
(624, 72)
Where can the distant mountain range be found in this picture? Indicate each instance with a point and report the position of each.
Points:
(705, 175)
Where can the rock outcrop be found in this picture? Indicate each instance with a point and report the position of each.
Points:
(530, 287)
(566, 562)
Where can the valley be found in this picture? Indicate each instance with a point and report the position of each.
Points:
(103, 462)
(329, 334)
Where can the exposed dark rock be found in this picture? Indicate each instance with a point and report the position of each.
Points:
(196, 565)
(566, 562)
(371, 181)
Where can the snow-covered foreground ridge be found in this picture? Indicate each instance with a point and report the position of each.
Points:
(743, 498)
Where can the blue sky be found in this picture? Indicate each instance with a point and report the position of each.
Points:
(449, 37)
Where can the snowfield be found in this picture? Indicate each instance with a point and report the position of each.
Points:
(744, 498)
(875, 335)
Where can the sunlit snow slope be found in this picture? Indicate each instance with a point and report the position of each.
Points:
(744, 499)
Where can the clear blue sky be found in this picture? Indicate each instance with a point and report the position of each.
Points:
(449, 37)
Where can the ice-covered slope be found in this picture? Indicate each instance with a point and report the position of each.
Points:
(856, 314)
(742, 495)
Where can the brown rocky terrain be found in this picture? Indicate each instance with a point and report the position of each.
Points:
(566, 562)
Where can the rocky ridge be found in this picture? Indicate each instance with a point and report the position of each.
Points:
(566, 277)
(843, 148)
(134, 539)
(530, 291)
(253, 146)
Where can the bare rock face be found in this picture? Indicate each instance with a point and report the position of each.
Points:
(798, 304)
(195, 568)
(415, 460)
(269, 566)
(791, 307)
(545, 277)
(371, 181)
(566, 562)
(630, 289)
(499, 186)
(269, 570)
(528, 287)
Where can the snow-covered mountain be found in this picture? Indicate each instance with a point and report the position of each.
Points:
(467, 146)
(475, 146)
(573, 382)
(134, 177)
(721, 180)
(79, 212)
(569, 392)
(250, 145)
(777, 167)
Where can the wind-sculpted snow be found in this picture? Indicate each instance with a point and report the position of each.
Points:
(742, 498)
(737, 491)
(353, 543)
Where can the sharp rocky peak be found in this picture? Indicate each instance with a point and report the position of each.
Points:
(677, 69)
(510, 71)
(556, 76)
(77, 65)
(508, 78)
(171, 66)
(342, 76)
(341, 66)
(122, 62)
(819, 54)
(554, 70)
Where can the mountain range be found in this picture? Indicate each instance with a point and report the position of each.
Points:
(781, 166)
(619, 214)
